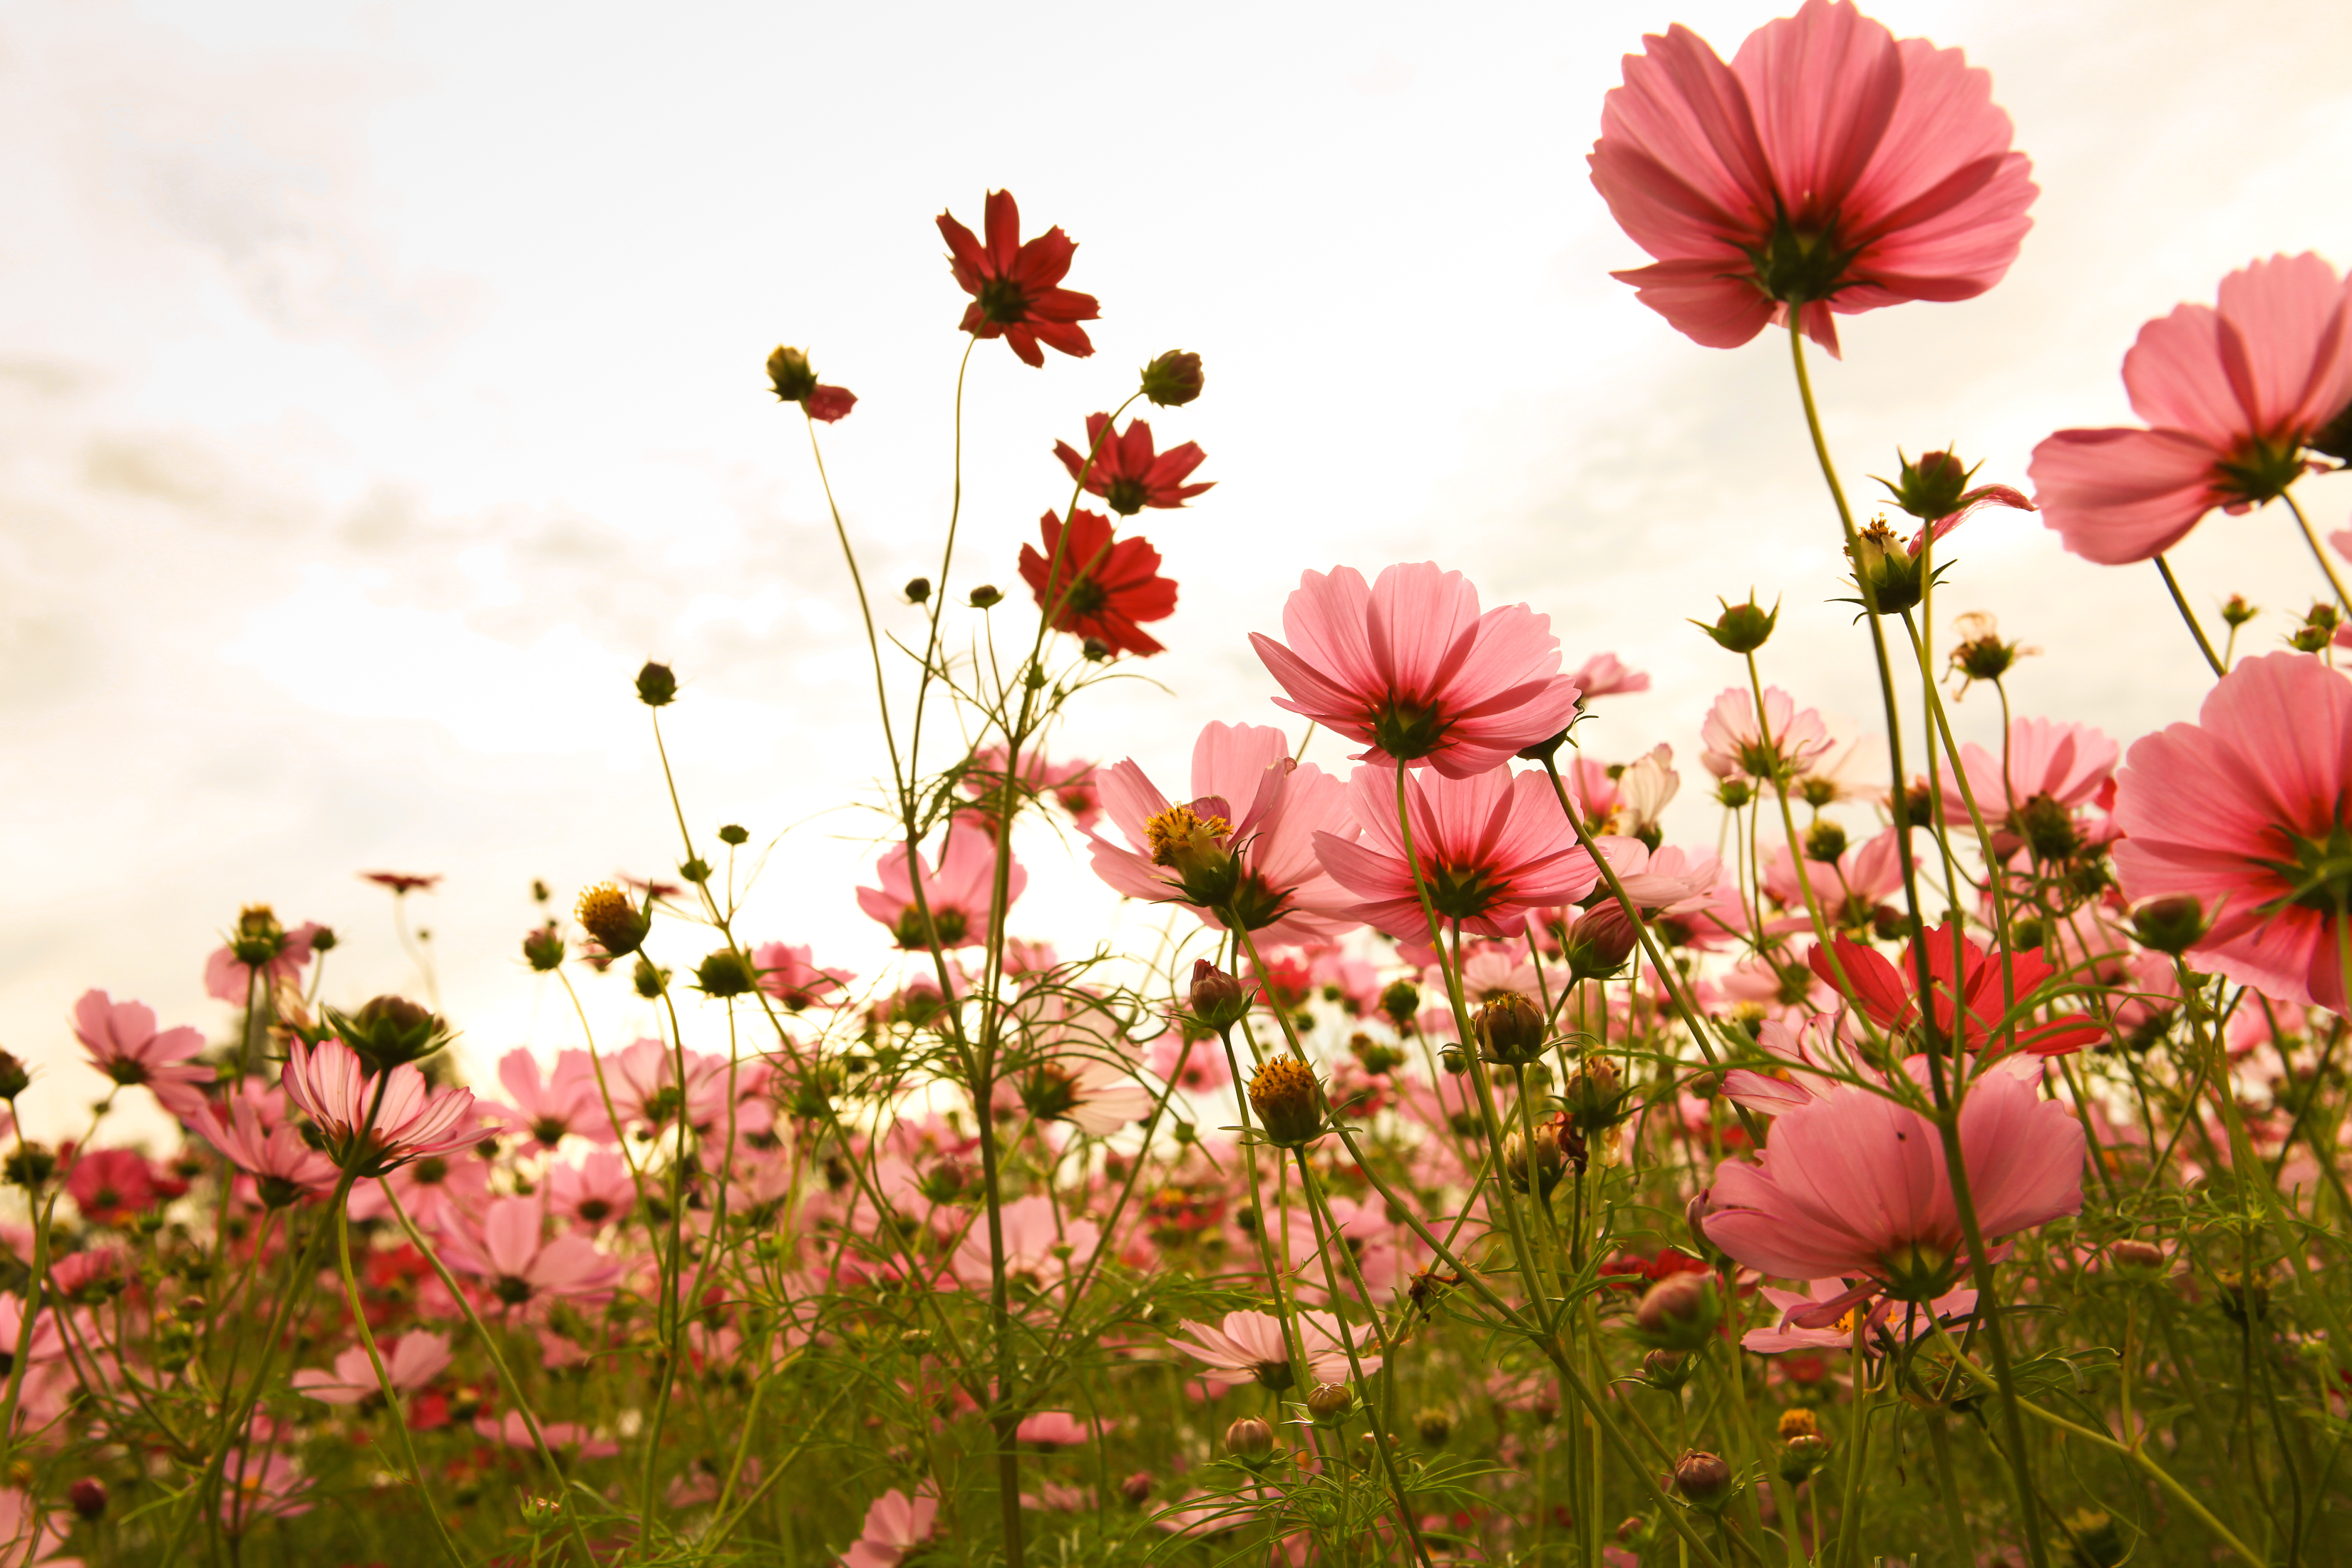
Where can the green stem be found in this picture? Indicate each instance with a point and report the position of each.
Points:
(393, 1405)
(2189, 615)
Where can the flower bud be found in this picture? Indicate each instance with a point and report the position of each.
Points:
(1742, 628)
(1400, 1002)
(1704, 1478)
(790, 372)
(1679, 1313)
(1173, 379)
(2172, 925)
(1551, 1162)
(87, 1497)
(543, 949)
(649, 979)
(1435, 1427)
(29, 1165)
(1249, 1439)
(259, 937)
(1331, 1401)
(1599, 942)
(1887, 574)
(1217, 998)
(2139, 1258)
(734, 836)
(1824, 840)
(1135, 1489)
(986, 596)
(656, 686)
(919, 590)
(1929, 489)
(1804, 1455)
(390, 1030)
(1667, 1370)
(725, 973)
(1695, 1215)
(1454, 1061)
(618, 925)
(1510, 1029)
(1595, 1095)
(1288, 1102)
(1735, 792)
(14, 1078)
(2236, 612)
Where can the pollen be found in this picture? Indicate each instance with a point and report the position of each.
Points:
(1177, 826)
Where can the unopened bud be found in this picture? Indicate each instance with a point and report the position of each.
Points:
(1249, 1439)
(1695, 1215)
(543, 949)
(87, 1497)
(1510, 1029)
(2237, 612)
(1595, 1095)
(790, 372)
(726, 973)
(1600, 941)
(734, 836)
(1435, 1427)
(388, 1031)
(2141, 1258)
(1679, 1313)
(1173, 379)
(14, 1078)
(1667, 1370)
(987, 596)
(650, 980)
(1331, 1401)
(656, 686)
(1135, 1489)
(1824, 841)
(919, 589)
(1930, 488)
(1803, 1455)
(1704, 1478)
(2172, 925)
(1217, 998)
(1401, 1001)
(1454, 1061)
(1551, 1162)
(1742, 628)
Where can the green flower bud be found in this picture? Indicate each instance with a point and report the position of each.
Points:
(1743, 628)
(1173, 379)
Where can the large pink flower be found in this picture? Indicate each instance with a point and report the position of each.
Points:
(2231, 396)
(567, 1101)
(1490, 848)
(1854, 1183)
(1245, 840)
(895, 1526)
(1828, 168)
(411, 1361)
(2245, 811)
(2053, 768)
(409, 1119)
(1412, 669)
(507, 1248)
(1251, 1344)
(258, 1140)
(957, 894)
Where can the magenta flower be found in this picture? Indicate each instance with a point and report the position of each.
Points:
(411, 1361)
(1829, 168)
(505, 1248)
(1490, 848)
(1882, 1323)
(375, 1132)
(548, 1109)
(1410, 667)
(125, 1044)
(2231, 397)
(2244, 811)
(895, 1526)
(1854, 1185)
(513, 1431)
(1245, 840)
(2054, 768)
(958, 893)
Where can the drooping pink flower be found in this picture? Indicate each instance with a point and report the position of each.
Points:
(375, 1132)
(1016, 289)
(507, 1249)
(1883, 1322)
(1057, 1429)
(2245, 811)
(411, 1361)
(895, 1526)
(1490, 848)
(548, 1109)
(2054, 768)
(1410, 667)
(125, 1044)
(1854, 1185)
(1245, 841)
(1972, 1004)
(1126, 472)
(958, 893)
(258, 1141)
(1250, 1344)
(2231, 397)
(1606, 675)
(1829, 168)
(1737, 746)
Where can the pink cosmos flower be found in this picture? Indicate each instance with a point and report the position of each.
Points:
(593, 1193)
(513, 1431)
(1250, 1345)
(1881, 1323)
(2233, 397)
(895, 1526)
(1854, 1185)
(547, 1108)
(1127, 473)
(790, 974)
(1245, 840)
(378, 1132)
(230, 979)
(1737, 746)
(958, 893)
(2054, 767)
(411, 1361)
(506, 1249)
(1042, 1246)
(1625, 801)
(1069, 782)
(1059, 1429)
(123, 1044)
(1197, 1067)
(258, 1141)
(1850, 890)
(1829, 168)
(27, 1538)
(1410, 667)
(1490, 847)
(1605, 675)
(2245, 812)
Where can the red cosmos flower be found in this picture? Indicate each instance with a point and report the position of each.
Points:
(109, 1185)
(1100, 589)
(1888, 993)
(1125, 473)
(402, 881)
(1013, 286)
(1828, 168)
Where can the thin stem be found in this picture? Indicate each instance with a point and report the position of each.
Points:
(2189, 615)
(2312, 539)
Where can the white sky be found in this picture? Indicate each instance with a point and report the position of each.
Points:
(380, 384)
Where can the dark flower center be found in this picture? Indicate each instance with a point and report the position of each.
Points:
(1405, 730)
(1083, 597)
(1126, 495)
(549, 1130)
(1463, 892)
(1002, 300)
(2261, 470)
(949, 925)
(2047, 827)
(513, 1290)
(2319, 876)
(1800, 265)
